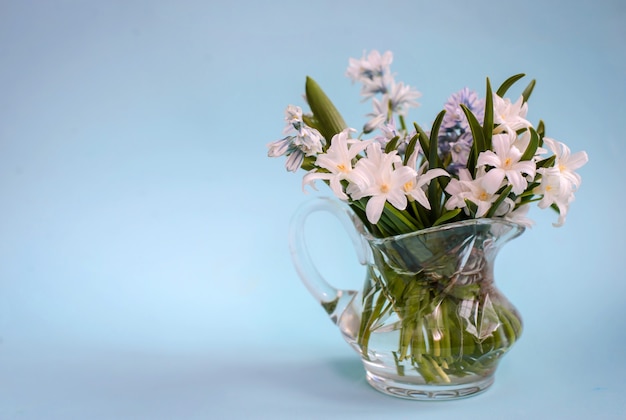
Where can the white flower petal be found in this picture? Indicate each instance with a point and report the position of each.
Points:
(492, 180)
(577, 160)
(517, 181)
(488, 157)
(397, 199)
(374, 208)
(294, 161)
(420, 196)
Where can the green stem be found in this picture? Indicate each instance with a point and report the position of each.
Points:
(446, 329)
(403, 221)
(416, 214)
(418, 345)
(440, 371)
(406, 337)
(366, 324)
(425, 368)
(402, 123)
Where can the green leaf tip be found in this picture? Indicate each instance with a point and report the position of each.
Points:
(529, 89)
(508, 83)
(329, 120)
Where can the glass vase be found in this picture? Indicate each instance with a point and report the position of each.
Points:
(429, 322)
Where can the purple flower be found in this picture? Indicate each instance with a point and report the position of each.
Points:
(455, 117)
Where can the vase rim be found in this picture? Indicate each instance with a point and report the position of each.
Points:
(446, 226)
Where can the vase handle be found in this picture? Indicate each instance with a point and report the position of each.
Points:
(333, 300)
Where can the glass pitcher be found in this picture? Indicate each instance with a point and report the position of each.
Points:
(429, 322)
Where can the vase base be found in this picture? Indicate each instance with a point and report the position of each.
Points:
(427, 392)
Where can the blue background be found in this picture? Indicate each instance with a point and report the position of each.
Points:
(144, 267)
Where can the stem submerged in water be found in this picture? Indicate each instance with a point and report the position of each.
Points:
(447, 317)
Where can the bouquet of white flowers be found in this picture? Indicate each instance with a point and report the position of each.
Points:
(481, 158)
(437, 204)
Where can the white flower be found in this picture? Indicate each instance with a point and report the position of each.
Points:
(309, 143)
(337, 161)
(505, 162)
(559, 182)
(388, 131)
(382, 177)
(294, 160)
(466, 188)
(401, 97)
(555, 192)
(519, 216)
(550, 187)
(509, 116)
(458, 189)
(566, 162)
(414, 188)
(397, 101)
(373, 72)
(303, 141)
(293, 117)
(279, 147)
(379, 116)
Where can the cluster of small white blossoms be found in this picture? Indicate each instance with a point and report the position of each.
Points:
(356, 168)
(301, 140)
(380, 176)
(503, 166)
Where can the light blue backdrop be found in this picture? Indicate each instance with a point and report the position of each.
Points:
(144, 268)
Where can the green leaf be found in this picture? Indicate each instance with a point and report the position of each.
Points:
(434, 191)
(499, 200)
(488, 119)
(555, 208)
(451, 214)
(414, 210)
(433, 156)
(410, 148)
(531, 150)
(529, 89)
(435, 199)
(531, 198)
(328, 120)
(504, 87)
(479, 139)
(392, 145)
(421, 214)
(547, 162)
(310, 120)
(403, 222)
(541, 130)
(529, 195)
(423, 139)
(471, 207)
(308, 163)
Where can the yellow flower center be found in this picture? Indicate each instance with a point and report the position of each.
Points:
(507, 163)
(384, 188)
(342, 168)
(483, 196)
(408, 186)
